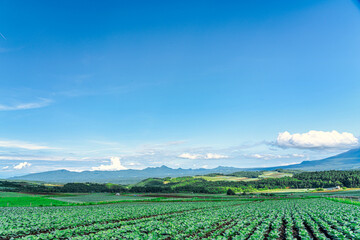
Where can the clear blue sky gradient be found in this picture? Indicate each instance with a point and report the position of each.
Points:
(209, 74)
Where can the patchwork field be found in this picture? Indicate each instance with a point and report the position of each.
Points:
(270, 219)
(275, 174)
(226, 178)
(268, 174)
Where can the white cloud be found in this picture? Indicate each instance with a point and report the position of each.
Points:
(22, 165)
(133, 164)
(215, 156)
(189, 156)
(26, 158)
(114, 165)
(202, 156)
(24, 145)
(22, 106)
(287, 164)
(317, 139)
(6, 167)
(47, 158)
(298, 155)
(276, 156)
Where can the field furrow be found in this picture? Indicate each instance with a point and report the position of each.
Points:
(273, 219)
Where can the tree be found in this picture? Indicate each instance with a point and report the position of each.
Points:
(230, 192)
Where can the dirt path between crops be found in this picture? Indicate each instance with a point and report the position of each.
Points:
(282, 229)
(208, 234)
(321, 229)
(309, 230)
(253, 230)
(266, 235)
(295, 231)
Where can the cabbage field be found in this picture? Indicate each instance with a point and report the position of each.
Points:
(269, 219)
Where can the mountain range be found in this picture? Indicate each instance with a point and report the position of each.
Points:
(122, 176)
(345, 161)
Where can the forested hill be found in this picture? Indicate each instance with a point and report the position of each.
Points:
(323, 179)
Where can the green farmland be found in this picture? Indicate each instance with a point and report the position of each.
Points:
(314, 218)
(10, 199)
(263, 175)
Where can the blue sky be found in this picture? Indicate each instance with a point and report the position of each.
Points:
(176, 83)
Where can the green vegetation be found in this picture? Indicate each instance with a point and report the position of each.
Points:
(239, 174)
(345, 192)
(217, 178)
(99, 197)
(283, 219)
(349, 179)
(247, 174)
(213, 184)
(230, 192)
(187, 208)
(344, 200)
(13, 194)
(9, 199)
(274, 174)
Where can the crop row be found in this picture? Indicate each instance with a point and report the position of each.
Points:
(17, 221)
(283, 219)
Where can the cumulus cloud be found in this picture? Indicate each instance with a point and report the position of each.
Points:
(202, 156)
(276, 156)
(22, 106)
(317, 139)
(22, 165)
(114, 165)
(24, 145)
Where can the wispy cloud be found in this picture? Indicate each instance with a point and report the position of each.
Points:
(162, 145)
(202, 156)
(276, 156)
(23, 106)
(23, 145)
(107, 143)
(3, 36)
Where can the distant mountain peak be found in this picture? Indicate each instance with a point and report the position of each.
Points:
(165, 167)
